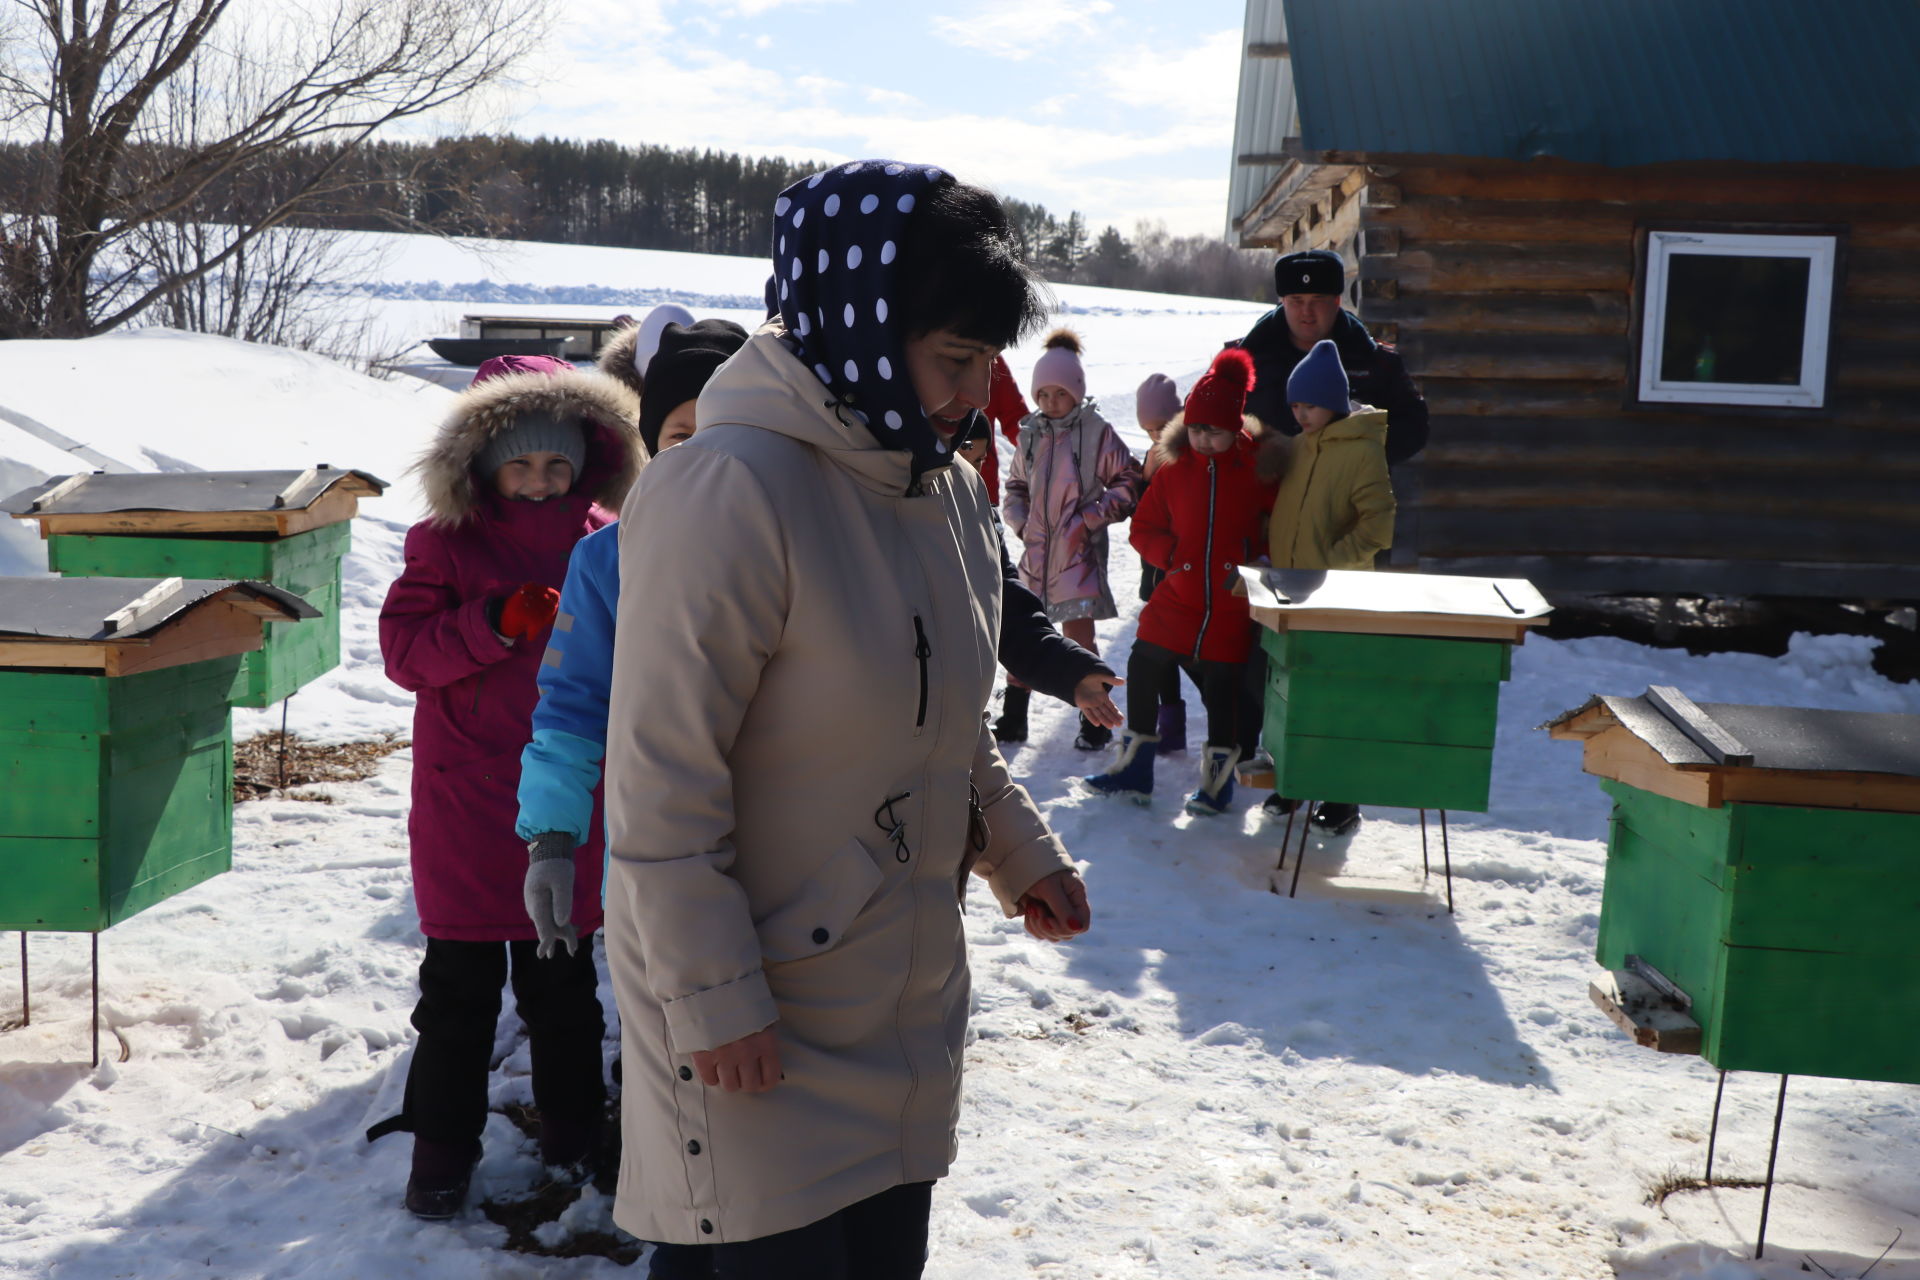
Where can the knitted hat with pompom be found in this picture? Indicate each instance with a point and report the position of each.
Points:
(1059, 365)
(1219, 399)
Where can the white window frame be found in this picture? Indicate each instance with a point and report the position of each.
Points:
(1821, 252)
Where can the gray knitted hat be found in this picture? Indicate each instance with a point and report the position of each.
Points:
(535, 433)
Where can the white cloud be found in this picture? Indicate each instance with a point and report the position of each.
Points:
(1018, 29)
(1198, 84)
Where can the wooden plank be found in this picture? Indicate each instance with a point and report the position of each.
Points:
(65, 654)
(1447, 531)
(145, 609)
(1883, 793)
(1676, 575)
(1637, 1009)
(338, 504)
(1444, 626)
(1548, 483)
(1396, 774)
(1591, 314)
(1382, 708)
(54, 494)
(1569, 185)
(1810, 879)
(50, 885)
(1685, 715)
(1397, 657)
(1423, 217)
(1617, 754)
(1532, 355)
(218, 629)
(1846, 1016)
(1464, 267)
(1666, 441)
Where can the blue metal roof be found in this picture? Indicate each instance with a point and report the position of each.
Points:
(1613, 82)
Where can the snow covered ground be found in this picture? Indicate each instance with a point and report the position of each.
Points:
(1216, 1082)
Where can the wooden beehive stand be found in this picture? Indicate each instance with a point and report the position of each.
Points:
(1384, 689)
(116, 749)
(289, 528)
(1760, 887)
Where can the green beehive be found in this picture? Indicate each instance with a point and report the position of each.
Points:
(116, 756)
(1384, 689)
(1760, 886)
(290, 528)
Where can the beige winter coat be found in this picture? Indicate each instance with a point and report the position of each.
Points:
(799, 644)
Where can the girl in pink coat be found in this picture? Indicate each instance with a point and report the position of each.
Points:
(1070, 479)
(527, 464)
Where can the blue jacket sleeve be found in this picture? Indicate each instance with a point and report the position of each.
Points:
(560, 768)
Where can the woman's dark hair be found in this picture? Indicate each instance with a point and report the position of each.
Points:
(960, 269)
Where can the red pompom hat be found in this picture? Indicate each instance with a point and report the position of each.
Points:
(1219, 399)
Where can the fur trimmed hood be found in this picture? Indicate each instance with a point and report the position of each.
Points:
(616, 360)
(609, 410)
(1270, 462)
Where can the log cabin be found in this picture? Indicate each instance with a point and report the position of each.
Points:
(1655, 266)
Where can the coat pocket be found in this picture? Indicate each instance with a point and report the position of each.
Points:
(820, 914)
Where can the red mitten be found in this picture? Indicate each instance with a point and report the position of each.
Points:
(528, 610)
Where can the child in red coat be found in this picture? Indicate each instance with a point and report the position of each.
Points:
(525, 466)
(1204, 514)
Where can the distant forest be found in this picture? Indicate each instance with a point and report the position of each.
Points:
(650, 197)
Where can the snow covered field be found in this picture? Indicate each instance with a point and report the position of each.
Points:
(1216, 1082)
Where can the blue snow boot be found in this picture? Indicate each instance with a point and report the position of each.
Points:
(1132, 771)
(1215, 795)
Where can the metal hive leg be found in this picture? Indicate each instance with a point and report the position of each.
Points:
(1300, 858)
(1446, 852)
(96, 999)
(1713, 1130)
(1426, 866)
(1773, 1154)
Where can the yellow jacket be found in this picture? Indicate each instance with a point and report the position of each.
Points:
(1335, 508)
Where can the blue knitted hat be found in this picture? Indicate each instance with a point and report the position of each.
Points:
(1320, 379)
(836, 262)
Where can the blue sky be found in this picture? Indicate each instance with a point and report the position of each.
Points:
(1122, 109)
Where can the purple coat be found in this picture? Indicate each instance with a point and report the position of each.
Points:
(1070, 479)
(476, 694)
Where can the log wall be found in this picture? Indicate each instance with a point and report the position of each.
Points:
(1509, 291)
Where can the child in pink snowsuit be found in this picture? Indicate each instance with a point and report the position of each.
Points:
(1070, 479)
(527, 463)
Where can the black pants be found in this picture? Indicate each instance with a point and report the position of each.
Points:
(883, 1237)
(1148, 667)
(459, 1007)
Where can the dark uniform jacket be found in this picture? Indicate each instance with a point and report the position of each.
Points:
(1375, 376)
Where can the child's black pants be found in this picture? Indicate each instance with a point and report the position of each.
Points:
(459, 1008)
(1148, 667)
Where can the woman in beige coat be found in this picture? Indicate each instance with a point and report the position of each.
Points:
(800, 773)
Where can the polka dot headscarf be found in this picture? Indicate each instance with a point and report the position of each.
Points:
(836, 261)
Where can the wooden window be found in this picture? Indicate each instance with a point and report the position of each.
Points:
(1737, 319)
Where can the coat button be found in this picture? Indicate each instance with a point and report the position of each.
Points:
(706, 1227)
(820, 936)
(693, 1147)
(686, 1073)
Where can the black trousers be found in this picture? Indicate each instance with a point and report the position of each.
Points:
(459, 1007)
(1220, 683)
(883, 1237)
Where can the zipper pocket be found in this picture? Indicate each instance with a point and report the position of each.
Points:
(922, 651)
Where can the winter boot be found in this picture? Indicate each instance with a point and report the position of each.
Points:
(1337, 819)
(1012, 724)
(437, 1187)
(1132, 771)
(1277, 806)
(1173, 727)
(1216, 781)
(1092, 737)
(567, 1147)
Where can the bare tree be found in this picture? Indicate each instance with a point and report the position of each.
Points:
(245, 113)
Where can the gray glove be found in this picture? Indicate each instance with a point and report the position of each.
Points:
(549, 892)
